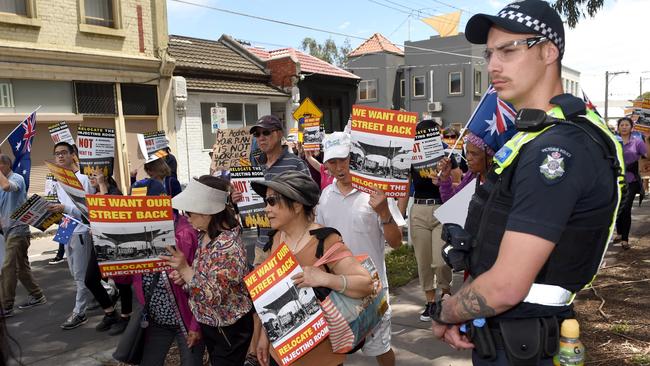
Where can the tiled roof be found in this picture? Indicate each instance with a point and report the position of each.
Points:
(376, 43)
(308, 63)
(233, 86)
(210, 56)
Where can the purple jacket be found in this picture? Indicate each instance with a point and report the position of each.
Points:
(447, 190)
(187, 242)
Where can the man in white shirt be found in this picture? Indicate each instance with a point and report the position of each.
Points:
(79, 247)
(365, 222)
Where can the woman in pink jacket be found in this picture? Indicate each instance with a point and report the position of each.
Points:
(168, 312)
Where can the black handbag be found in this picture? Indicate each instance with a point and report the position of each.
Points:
(131, 346)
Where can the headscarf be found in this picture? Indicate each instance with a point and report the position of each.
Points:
(471, 138)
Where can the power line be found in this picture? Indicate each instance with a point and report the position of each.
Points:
(390, 7)
(313, 28)
(420, 12)
(399, 26)
(453, 7)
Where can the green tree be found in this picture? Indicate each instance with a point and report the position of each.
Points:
(645, 95)
(574, 10)
(327, 51)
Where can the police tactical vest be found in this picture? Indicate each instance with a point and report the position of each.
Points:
(565, 273)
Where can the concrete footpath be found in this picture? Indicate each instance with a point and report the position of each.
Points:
(42, 342)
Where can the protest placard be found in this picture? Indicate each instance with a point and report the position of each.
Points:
(50, 189)
(292, 136)
(34, 212)
(382, 149)
(152, 145)
(427, 149)
(251, 207)
(130, 232)
(61, 132)
(218, 118)
(96, 149)
(68, 181)
(232, 147)
(455, 210)
(312, 136)
(292, 316)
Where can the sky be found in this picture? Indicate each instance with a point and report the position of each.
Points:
(613, 40)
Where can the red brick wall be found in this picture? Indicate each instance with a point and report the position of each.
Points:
(281, 70)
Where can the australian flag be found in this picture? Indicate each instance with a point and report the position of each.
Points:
(493, 120)
(21, 145)
(66, 228)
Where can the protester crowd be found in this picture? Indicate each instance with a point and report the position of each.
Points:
(202, 303)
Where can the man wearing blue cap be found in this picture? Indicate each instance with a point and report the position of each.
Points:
(538, 227)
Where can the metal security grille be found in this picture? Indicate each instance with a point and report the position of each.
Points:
(139, 100)
(95, 98)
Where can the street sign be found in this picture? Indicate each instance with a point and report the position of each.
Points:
(218, 118)
(307, 109)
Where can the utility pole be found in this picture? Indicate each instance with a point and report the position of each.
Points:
(606, 93)
(641, 78)
(607, 75)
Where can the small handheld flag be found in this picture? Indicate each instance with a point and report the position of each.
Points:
(66, 228)
(493, 120)
(21, 146)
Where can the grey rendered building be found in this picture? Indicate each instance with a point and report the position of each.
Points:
(441, 77)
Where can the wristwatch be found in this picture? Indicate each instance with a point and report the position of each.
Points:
(436, 311)
(390, 219)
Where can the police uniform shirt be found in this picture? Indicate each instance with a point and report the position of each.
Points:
(560, 174)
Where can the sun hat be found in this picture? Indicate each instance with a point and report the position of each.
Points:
(200, 198)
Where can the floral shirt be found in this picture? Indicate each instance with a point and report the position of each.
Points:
(218, 295)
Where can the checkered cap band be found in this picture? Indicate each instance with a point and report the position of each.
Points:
(535, 26)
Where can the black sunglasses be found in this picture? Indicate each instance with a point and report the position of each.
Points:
(264, 132)
(272, 200)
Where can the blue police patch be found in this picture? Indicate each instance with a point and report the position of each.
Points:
(554, 164)
(502, 154)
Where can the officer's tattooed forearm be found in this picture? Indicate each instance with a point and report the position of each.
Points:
(468, 304)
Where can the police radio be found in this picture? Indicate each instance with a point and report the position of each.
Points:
(457, 246)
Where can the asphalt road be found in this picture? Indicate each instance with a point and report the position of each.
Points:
(36, 331)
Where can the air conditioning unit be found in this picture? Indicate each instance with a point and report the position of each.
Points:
(180, 93)
(434, 107)
(437, 120)
(180, 88)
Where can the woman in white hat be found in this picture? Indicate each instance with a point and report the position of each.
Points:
(215, 280)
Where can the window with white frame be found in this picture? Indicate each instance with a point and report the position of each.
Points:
(368, 90)
(238, 115)
(100, 12)
(402, 88)
(17, 7)
(455, 83)
(6, 96)
(20, 12)
(418, 86)
(478, 82)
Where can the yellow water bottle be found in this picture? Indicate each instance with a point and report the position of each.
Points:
(572, 351)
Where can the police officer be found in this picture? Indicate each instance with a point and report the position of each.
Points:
(540, 224)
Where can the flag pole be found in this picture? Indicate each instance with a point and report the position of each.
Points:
(75, 220)
(462, 131)
(14, 130)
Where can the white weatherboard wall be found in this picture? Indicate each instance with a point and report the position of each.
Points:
(192, 141)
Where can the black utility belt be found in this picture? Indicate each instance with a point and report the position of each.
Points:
(525, 341)
(427, 201)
